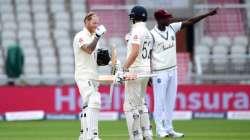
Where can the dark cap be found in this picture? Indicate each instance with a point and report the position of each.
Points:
(162, 14)
(138, 13)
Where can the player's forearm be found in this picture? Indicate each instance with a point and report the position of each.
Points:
(89, 48)
(197, 19)
(173, 20)
(130, 61)
(132, 56)
(193, 20)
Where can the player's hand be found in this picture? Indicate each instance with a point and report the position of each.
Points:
(119, 77)
(213, 12)
(100, 30)
(124, 76)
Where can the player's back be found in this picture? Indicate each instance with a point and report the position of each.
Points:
(135, 89)
(140, 35)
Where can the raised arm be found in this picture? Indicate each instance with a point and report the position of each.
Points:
(196, 19)
(89, 48)
(174, 19)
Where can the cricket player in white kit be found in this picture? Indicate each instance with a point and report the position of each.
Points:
(138, 61)
(85, 44)
(164, 64)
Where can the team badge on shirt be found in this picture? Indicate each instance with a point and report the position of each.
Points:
(158, 80)
(136, 38)
(81, 41)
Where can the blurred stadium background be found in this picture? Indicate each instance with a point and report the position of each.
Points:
(213, 57)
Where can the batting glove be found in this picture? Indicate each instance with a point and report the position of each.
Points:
(100, 30)
(119, 77)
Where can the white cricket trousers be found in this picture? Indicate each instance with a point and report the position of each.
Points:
(165, 90)
(92, 103)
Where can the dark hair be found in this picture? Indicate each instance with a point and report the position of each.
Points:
(89, 16)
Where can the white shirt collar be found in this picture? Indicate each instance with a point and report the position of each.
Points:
(159, 31)
(87, 31)
(139, 24)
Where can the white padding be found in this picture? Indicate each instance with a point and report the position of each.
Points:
(133, 123)
(94, 100)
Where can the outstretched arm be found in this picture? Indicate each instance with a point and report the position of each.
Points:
(175, 19)
(196, 19)
(89, 48)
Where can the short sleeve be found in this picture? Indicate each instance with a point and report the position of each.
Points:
(135, 37)
(81, 42)
(176, 26)
(127, 37)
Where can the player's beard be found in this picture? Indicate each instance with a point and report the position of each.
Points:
(168, 21)
(92, 30)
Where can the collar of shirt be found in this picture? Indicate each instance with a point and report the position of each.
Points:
(159, 31)
(163, 33)
(87, 32)
(139, 24)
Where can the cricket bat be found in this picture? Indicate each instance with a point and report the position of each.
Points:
(113, 59)
(113, 69)
(109, 79)
(106, 79)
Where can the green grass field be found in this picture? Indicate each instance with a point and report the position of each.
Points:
(117, 130)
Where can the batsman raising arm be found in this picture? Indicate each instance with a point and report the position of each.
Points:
(85, 44)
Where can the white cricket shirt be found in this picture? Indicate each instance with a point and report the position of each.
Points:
(85, 64)
(164, 49)
(140, 35)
